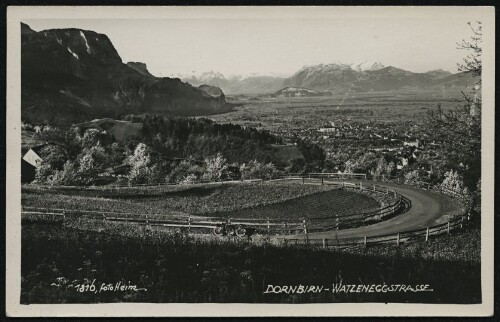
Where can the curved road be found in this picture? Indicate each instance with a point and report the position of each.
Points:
(427, 209)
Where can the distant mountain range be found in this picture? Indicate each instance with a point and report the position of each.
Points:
(72, 75)
(337, 77)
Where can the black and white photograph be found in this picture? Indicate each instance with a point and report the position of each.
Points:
(228, 157)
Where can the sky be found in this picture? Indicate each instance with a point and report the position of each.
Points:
(273, 46)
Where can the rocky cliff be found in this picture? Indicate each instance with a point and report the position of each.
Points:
(72, 75)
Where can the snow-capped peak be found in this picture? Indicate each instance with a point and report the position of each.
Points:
(367, 65)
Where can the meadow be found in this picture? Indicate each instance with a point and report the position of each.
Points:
(271, 200)
(303, 112)
(58, 258)
(322, 204)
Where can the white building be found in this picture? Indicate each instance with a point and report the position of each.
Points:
(411, 143)
(33, 156)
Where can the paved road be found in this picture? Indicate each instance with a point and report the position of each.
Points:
(427, 209)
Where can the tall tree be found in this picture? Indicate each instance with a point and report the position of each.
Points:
(140, 163)
(460, 127)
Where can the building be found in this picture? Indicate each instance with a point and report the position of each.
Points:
(327, 130)
(31, 161)
(28, 172)
(33, 155)
(411, 143)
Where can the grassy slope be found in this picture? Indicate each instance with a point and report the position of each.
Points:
(268, 199)
(321, 204)
(464, 245)
(178, 268)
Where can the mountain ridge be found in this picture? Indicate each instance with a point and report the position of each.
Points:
(336, 77)
(72, 75)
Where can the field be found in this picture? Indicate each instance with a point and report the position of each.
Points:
(56, 259)
(276, 200)
(322, 204)
(279, 114)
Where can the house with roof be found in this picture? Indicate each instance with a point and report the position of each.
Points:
(33, 156)
(31, 161)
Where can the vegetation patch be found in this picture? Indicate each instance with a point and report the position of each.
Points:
(231, 199)
(55, 259)
(322, 204)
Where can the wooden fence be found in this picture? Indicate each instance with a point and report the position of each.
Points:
(398, 238)
(188, 222)
(339, 176)
(274, 226)
(265, 226)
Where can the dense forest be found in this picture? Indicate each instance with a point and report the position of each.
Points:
(198, 138)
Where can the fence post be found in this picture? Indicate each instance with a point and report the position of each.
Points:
(373, 187)
(305, 226)
(336, 222)
(303, 180)
(189, 224)
(324, 243)
(448, 228)
(364, 240)
(361, 186)
(427, 234)
(286, 228)
(268, 230)
(397, 240)
(461, 222)
(322, 181)
(147, 221)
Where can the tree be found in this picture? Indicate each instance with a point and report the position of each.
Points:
(473, 62)
(89, 165)
(460, 127)
(68, 140)
(185, 171)
(44, 173)
(412, 177)
(67, 176)
(157, 173)
(390, 168)
(453, 181)
(91, 137)
(297, 165)
(349, 166)
(54, 155)
(215, 168)
(140, 163)
(381, 167)
(254, 169)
